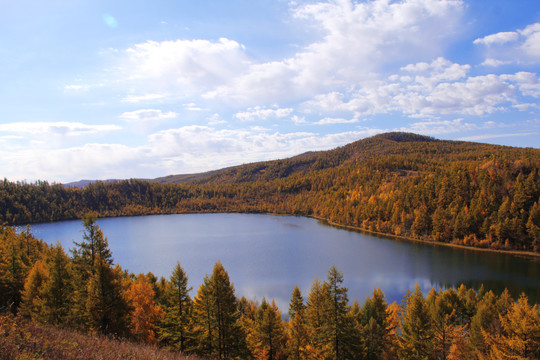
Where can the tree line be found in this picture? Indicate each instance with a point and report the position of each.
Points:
(397, 184)
(86, 291)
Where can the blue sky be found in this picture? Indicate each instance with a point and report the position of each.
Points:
(95, 89)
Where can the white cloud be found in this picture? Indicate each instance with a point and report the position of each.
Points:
(440, 127)
(495, 62)
(359, 39)
(431, 90)
(152, 115)
(498, 38)
(61, 128)
(186, 66)
(521, 46)
(259, 113)
(333, 121)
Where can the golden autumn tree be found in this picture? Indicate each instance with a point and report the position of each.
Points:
(145, 313)
(519, 337)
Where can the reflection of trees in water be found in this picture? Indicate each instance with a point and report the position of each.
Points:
(453, 267)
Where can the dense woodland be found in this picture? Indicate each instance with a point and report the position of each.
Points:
(397, 184)
(86, 292)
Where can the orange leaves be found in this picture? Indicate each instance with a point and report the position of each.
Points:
(145, 313)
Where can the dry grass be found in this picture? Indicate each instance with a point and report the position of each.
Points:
(23, 340)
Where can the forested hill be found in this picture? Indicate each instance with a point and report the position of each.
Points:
(396, 183)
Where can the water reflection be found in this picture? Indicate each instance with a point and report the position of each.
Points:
(267, 255)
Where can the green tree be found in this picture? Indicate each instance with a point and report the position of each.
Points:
(217, 316)
(270, 332)
(374, 326)
(416, 327)
(57, 291)
(339, 325)
(317, 312)
(296, 327)
(176, 327)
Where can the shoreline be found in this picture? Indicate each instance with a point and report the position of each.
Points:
(519, 253)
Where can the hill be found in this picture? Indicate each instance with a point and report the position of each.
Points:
(398, 184)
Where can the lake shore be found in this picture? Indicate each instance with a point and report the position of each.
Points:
(527, 254)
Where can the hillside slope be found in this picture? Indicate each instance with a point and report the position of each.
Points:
(396, 183)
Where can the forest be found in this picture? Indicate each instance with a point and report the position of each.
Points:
(398, 184)
(86, 292)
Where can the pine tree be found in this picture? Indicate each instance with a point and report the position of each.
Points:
(217, 316)
(106, 307)
(175, 329)
(339, 326)
(520, 335)
(57, 292)
(270, 332)
(204, 319)
(416, 327)
(296, 326)
(317, 312)
(374, 326)
(32, 296)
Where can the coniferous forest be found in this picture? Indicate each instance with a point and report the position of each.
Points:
(397, 184)
(58, 297)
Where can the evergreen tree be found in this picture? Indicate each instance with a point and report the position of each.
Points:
(317, 312)
(270, 332)
(416, 327)
(217, 316)
(32, 296)
(57, 292)
(175, 329)
(339, 325)
(374, 325)
(519, 337)
(296, 326)
(106, 306)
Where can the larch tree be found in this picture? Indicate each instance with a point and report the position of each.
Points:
(145, 313)
(317, 312)
(519, 337)
(339, 325)
(58, 291)
(217, 316)
(176, 326)
(416, 327)
(32, 296)
(374, 325)
(270, 332)
(297, 338)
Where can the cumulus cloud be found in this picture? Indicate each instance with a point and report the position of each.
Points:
(431, 90)
(186, 66)
(151, 115)
(521, 46)
(498, 38)
(359, 39)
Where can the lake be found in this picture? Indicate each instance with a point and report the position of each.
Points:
(266, 255)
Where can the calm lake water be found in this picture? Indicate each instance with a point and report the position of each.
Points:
(267, 255)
